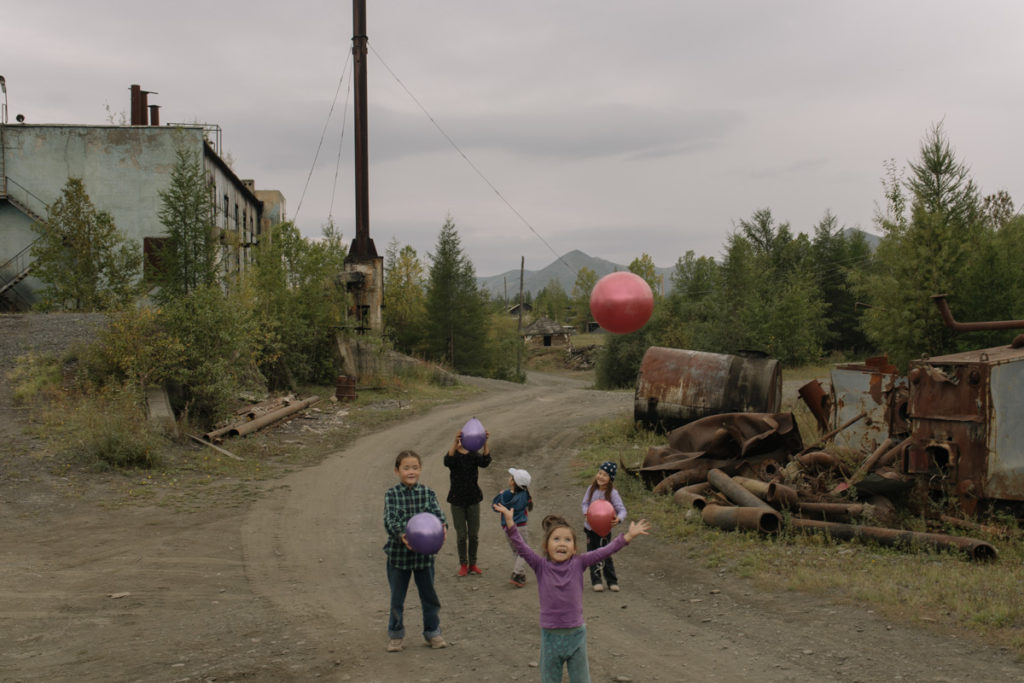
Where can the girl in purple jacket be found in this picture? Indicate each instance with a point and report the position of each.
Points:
(563, 635)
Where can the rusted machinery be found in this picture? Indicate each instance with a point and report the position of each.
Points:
(958, 419)
(967, 416)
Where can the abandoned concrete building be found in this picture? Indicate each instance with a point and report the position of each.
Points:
(124, 168)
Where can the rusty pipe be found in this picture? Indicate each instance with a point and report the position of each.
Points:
(729, 518)
(974, 548)
(884, 452)
(947, 317)
(756, 486)
(817, 401)
(782, 496)
(696, 473)
(826, 437)
(820, 460)
(831, 511)
(272, 417)
(694, 496)
(734, 492)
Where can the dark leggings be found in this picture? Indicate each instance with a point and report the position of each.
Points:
(606, 566)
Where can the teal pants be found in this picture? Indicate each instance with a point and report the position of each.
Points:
(564, 648)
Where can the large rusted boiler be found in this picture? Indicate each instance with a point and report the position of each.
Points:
(966, 412)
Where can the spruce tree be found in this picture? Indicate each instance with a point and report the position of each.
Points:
(86, 263)
(188, 258)
(456, 317)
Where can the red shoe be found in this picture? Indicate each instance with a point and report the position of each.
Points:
(473, 569)
(463, 569)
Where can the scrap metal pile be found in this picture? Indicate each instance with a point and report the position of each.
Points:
(944, 442)
(751, 471)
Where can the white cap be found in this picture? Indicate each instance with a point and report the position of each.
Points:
(520, 477)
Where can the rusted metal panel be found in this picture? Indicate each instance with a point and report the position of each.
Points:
(1006, 436)
(677, 386)
(968, 434)
(875, 388)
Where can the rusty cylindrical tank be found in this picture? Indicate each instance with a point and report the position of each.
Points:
(677, 386)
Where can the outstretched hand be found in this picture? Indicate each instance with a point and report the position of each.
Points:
(637, 528)
(498, 507)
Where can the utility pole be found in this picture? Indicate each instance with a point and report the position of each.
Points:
(519, 327)
(364, 269)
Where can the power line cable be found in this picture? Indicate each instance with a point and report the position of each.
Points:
(337, 165)
(323, 133)
(470, 162)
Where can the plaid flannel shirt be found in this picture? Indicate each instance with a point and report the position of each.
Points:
(400, 503)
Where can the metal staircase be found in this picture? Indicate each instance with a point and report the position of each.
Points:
(21, 263)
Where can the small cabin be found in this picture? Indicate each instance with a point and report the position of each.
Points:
(546, 332)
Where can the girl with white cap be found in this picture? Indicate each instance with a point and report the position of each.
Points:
(517, 498)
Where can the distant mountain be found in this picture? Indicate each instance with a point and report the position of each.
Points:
(563, 269)
(870, 238)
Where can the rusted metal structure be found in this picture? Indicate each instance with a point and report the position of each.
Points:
(875, 388)
(677, 386)
(363, 275)
(967, 414)
(345, 389)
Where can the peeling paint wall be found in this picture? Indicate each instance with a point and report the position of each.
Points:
(124, 169)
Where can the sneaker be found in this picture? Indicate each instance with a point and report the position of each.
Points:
(473, 569)
(598, 588)
(614, 588)
(395, 645)
(463, 569)
(517, 580)
(437, 642)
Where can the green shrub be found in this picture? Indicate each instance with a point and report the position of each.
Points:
(109, 430)
(34, 377)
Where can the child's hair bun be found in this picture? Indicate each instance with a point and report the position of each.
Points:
(552, 521)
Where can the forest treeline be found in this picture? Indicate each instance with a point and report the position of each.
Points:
(799, 297)
(823, 295)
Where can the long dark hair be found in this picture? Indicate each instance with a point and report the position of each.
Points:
(594, 486)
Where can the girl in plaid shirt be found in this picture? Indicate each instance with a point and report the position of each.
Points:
(401, 502)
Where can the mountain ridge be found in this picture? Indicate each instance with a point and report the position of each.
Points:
(563, 269)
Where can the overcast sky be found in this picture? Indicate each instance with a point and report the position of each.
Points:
(617, 128)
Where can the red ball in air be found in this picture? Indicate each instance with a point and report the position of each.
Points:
(622, 302)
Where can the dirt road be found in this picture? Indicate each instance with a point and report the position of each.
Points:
(292, 587)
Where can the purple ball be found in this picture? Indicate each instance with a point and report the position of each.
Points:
(425, 533)
(474, 436)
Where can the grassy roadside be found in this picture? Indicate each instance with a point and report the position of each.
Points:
(100, 445)
(935, 589)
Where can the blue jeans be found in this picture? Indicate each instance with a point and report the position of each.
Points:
(564, 647)
(398, 579)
